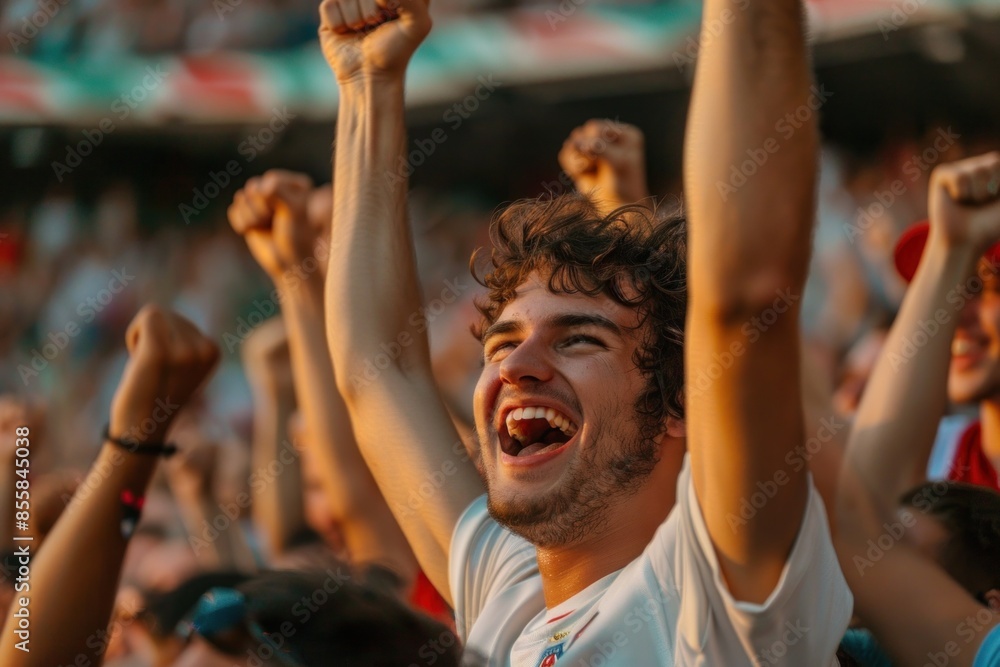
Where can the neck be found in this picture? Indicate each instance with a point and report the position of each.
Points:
(989, 415)
(630, 526)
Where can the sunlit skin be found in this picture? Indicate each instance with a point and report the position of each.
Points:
(974, 373)
(573, 353)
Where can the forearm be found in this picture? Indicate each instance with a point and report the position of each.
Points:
(906, 395)
(372, 245)
(752, 235)
(370, 531)
(748, 248)
(277, 509)
(88, 536)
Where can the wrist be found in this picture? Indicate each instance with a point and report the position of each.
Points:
(939, 241)
(306, 293)
(367, 79)
(950, 257)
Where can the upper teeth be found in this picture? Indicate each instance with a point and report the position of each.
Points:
(555, 419)
(960, 346)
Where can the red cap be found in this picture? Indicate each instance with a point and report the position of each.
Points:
(911, 244)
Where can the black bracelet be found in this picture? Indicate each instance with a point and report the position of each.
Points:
(164, 449)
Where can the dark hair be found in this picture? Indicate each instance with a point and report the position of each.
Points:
(634, 255)
(971, 515)
(349, 621)
(164, 611)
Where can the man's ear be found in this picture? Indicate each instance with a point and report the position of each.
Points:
(676, 428)
(992, 598)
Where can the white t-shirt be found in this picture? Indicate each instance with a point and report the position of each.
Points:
(668, 607)
(946, 441)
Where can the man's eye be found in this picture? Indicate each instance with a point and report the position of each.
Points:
(498, 350)
(581, 339)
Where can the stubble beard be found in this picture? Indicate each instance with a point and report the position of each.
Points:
(611, 469)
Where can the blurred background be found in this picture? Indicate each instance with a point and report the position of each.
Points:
(127, 125)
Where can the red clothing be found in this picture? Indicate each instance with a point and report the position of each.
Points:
(426, 598)
(970, 464)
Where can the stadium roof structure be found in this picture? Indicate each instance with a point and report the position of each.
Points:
(570, 49)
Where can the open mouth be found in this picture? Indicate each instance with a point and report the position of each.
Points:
(534, 430)
(962, 347)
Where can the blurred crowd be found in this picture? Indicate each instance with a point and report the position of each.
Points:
(106, 29)
(57, 254)
(273, 510)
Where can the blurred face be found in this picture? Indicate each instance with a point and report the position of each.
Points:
(555, 413)
(974, 374)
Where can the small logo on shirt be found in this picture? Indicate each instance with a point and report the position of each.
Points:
(559, 635)
(550, 656)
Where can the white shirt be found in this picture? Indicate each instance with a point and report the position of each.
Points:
(949, 433)
(668, 607)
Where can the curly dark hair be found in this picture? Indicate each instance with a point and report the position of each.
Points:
(634, 255)
(971, 515)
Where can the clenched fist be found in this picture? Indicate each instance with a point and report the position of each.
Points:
(168, 360)
(607, 161)
(964, 202)
(282, 218)
(363, 38)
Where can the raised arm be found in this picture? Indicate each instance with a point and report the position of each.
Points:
(749, 240)
(375, 324)
(906, 395)
(191, 475)
(278, 511)
(74, 577)
(273, 214)
(914, 608)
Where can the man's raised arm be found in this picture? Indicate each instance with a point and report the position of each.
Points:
(375, 324)
(750, 177)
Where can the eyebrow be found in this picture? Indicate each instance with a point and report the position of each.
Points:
(564, 321)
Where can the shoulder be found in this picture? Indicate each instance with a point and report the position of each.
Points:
(485, 559)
